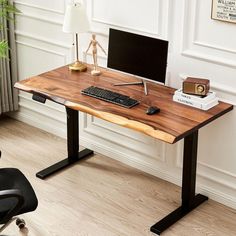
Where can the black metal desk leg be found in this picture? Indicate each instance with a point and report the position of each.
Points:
(72, 146)
(189, 199)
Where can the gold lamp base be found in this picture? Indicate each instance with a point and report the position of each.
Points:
(78, 66)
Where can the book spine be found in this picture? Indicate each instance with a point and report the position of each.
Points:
(189, 97)
(203, 106)
(185, 101)
(210, 105)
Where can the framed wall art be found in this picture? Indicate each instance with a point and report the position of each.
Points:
(224, 10)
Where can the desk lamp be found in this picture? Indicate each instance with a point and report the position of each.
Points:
(76, 21)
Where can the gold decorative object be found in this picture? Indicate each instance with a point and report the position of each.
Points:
(76, 21)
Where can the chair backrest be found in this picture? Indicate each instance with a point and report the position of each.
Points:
(16, 194)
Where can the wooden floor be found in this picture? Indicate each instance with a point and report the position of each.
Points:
(99, 196)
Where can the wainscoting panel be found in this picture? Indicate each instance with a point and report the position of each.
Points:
(125, 138)
(144, 16)
(205, 40)
(45, 5)
(151, 18)
(41, 46)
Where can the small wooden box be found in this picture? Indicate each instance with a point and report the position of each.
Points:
(196, 86)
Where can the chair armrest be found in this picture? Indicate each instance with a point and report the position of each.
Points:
(12, 193)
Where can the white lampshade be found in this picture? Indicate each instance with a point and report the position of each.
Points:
(76, 20)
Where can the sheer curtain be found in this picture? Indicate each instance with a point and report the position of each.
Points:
(8, 70)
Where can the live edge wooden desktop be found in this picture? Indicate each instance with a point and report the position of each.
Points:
(173, 123)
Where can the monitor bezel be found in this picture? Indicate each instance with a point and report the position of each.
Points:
(136, 76)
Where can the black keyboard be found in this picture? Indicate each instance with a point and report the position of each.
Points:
(110, 96)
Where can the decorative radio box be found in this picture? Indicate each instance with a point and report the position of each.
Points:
(196, 86)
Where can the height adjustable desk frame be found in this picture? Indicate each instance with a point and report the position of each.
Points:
(60, 78)
(72, 147)
(189, 199)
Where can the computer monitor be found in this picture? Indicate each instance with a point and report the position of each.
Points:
(138, 55)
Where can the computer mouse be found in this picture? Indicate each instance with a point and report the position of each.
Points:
(152, 110)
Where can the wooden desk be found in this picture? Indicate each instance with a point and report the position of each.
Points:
(174, 122)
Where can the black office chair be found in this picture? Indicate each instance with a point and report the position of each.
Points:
(16, 197)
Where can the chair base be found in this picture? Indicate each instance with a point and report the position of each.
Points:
(19, 222)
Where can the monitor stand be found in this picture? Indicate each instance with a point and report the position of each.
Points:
(142, 82)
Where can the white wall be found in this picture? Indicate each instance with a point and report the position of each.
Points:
(199, 46)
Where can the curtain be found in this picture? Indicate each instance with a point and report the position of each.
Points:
(8, 70)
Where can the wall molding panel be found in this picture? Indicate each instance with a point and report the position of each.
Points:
(102, 20)
(39, 120)
(160, 170)
(217, 192)
(179, 154)
(42, 6)
(199, 49)
(43, 49)
(43, 110)
(217, 175)
(42, 25)
(40, 18)
(159, 29)
(42, 39)
(122, 137)
(213, 46)
(207, 58)
(48, 105)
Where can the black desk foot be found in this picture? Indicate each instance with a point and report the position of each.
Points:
(176, 215)
(63, 164)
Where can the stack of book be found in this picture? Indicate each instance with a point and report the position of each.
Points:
(204, 103)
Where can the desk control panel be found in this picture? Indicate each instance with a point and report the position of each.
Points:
(110, 96)
(38, 98)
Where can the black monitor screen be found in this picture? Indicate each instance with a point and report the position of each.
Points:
(138, 55)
